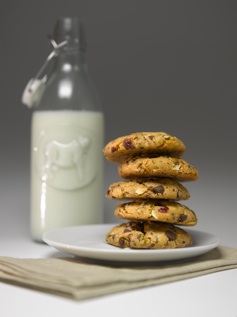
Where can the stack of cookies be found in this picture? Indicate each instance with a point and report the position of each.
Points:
(152, 171)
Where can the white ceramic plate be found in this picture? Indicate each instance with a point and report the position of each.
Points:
(88, 241)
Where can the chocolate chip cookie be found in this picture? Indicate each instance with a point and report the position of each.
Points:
(148, 235)
(161, 166)
(143, 144)
(160, 188)
(157, 210)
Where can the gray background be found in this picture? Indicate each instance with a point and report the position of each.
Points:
(158, 65)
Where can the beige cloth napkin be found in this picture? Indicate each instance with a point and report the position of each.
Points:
(78, 280)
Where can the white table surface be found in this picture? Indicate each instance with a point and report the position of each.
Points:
(210, 295)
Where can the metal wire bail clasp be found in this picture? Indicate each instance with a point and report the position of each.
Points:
(35, 87)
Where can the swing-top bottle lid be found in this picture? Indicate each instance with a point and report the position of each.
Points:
(70, 29)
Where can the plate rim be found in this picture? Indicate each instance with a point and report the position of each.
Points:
(115, 254)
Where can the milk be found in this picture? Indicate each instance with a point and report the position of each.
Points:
(66, 169)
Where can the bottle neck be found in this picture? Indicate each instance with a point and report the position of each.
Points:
(68, 84)
(71, 31)
(72, 60)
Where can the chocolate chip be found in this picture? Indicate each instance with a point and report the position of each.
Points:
(171, 235)
(158, 189)
(122, 242)
(127, 230)
(182, 218)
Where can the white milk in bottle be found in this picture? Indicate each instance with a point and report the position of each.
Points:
(66, 169)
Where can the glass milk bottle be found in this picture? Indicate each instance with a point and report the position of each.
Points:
(67, 139)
